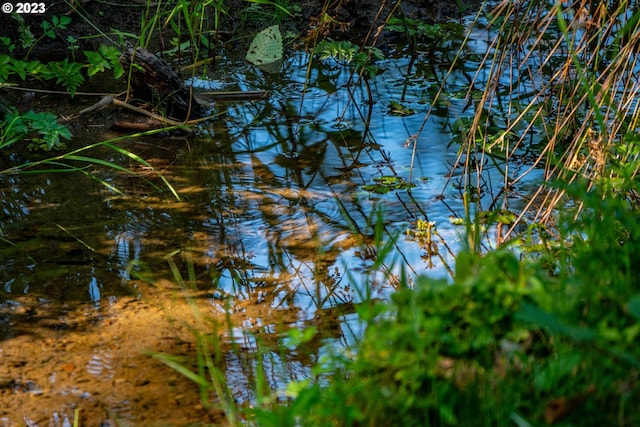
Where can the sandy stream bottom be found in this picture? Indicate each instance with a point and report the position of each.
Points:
(59, 359)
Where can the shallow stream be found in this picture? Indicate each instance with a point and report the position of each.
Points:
(274, 228)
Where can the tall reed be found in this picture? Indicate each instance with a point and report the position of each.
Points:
(561, 82)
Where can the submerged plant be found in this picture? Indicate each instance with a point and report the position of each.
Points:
(77, 160)
(346, 51)
(424, 36)
(385, 184)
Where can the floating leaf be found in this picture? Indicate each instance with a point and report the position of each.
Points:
(397, 109)
(502, 216)
(266, 47)
(384, 184)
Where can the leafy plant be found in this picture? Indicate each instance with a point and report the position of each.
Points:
(385, 184)
(72, 44)
(106, 58)
(399, 109)
(27, 39)
(8, 43)
(422, 35)
(49, 29)
(44, 127)
(347, 51)
(190, 22)
(69, 74)
(9, 66)
(507, 342)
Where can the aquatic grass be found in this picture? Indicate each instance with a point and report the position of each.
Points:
(195, 25)
(209, 376)
(212, 352)
(263, 360)
(570, 94)
(62, 163)
(508, 341)
(553, 89)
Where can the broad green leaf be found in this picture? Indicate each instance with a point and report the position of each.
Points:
(556, 371)
(97, 63)
(266, 48)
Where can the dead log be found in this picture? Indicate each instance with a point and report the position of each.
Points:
(154, 81)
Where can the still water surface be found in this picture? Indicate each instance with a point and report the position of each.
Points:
(275, 218)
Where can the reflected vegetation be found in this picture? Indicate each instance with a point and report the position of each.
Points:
(276, 220)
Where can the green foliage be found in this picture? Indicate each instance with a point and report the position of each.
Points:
(57, 23)
(261, 12)
(398, 109)
(69, 74)
(23, 69)
(346, 51)
(49, 29)
(599, 275)
(42, 128)
(420, 33)
(339, 50)
(283, 8)
(430, 359)
(8, 43)
(27, 39)
(196, 25)
(106, 58)
(385, 184)
(72, 44)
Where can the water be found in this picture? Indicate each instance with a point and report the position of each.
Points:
(274, 225)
